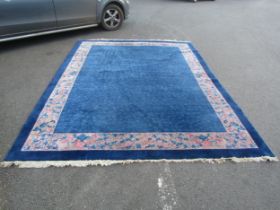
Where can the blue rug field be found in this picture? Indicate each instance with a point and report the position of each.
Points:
(136, 100)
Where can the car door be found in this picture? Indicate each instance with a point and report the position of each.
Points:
(75, 12)
(25, 16)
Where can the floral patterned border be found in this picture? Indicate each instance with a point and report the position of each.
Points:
(43, 138)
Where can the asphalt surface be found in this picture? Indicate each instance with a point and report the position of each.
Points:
(240, 40)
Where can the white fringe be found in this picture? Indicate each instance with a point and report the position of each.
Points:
(85, 163)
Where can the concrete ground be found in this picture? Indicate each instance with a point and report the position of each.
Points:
(240, 40)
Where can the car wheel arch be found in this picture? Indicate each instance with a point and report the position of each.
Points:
(102, 6)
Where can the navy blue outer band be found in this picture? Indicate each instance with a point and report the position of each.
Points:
(15, 153)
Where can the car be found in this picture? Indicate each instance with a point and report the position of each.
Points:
(28, 18)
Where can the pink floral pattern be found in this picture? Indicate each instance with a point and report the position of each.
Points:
(43, 138)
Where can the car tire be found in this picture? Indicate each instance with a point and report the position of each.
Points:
(112, 17)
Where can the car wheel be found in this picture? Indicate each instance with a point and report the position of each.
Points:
(112, 17)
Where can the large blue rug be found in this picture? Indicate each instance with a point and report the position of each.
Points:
(136, 100)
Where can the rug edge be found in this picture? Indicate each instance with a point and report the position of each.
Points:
(15, 143)
(136, 40)
(86, 163)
